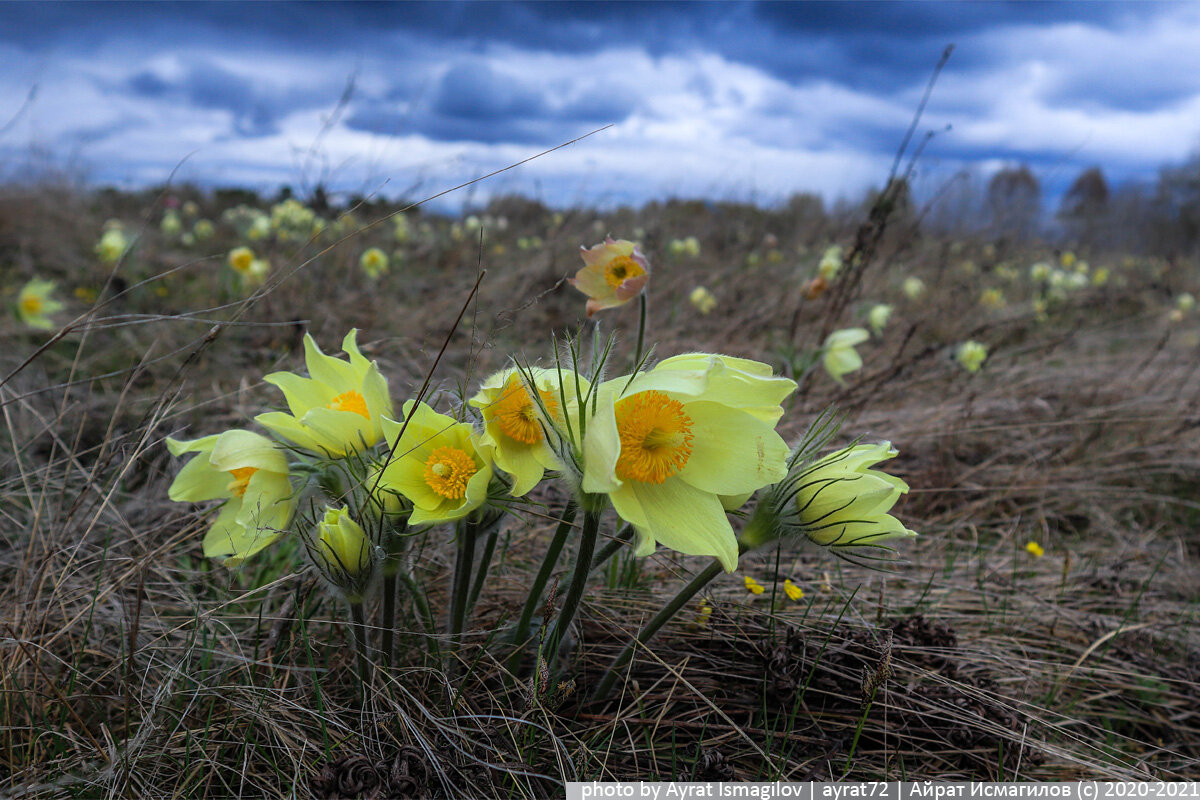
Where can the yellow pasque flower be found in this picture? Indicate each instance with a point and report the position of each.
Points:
(1100, 277)
(831, 263)
(338, 409)
(702, 299)
(170, 224)
(1040, 272)
(913, 287)
(971, 355)
(374, 262)
(112, 245)
(1067, 260)
(794, 592)
(615, 273)
(1034, 549)
(753, 586)
(841, 503)
(878, 317)
(35, 304)
(250, 473)
(514, 424)
(241, 259)
(992, 298)
(343, 553)
(438, 464)
(669, 445)
(840, 357)
(203, 229)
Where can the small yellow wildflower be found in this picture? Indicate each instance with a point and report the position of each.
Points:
(1100, 277)
(112, 246)
(794, 592)
(913, 288)
(992, 298)
(1035, 549)
(1067, 260)
(840, 356)
(704, 613)
(831, 263)
(35, 305)
(374, 262)
(753, 586)
(971, 355)
(702, 299)
(241, 259)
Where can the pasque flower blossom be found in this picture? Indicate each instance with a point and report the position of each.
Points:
(615, 272)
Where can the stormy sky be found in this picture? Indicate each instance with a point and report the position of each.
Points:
(742, 101)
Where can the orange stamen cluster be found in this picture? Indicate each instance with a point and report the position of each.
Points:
(241, 479)
(350, 401)
(656, 437)
(621, 269)
(447, 471)
(515, 414)
(31, 304)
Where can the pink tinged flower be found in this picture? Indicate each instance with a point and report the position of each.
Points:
(615, 273)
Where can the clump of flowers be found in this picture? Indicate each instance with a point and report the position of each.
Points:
(670, 448)
(35, 304)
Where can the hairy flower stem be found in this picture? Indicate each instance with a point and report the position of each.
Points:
(387, 644)
(641, 340)
(359, 626)
(652, 627)
(462, 581)
(521, 632)
(608, 551)
(583, 565)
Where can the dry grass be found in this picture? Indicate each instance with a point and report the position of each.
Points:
(134, 668)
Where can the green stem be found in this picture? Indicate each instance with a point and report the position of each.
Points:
(609, 550)
(359, 625)
(652, 627)
(388, 622)
(485, 563)
(521, 633)
(641, 340)
(583, 565)
(424, 615)
(462, 580)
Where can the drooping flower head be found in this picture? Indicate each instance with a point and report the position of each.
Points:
(971, 355)
(668, 445)
(839, 356)
(615, 272)
(250, 473)
(338, 409)
(438, 463)
(515, 424)
(35, 304)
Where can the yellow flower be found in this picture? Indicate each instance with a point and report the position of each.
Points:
(1185, 302)
(841, 503)
(112, 246)
(1067, 260)
(35, 305)
(840, 356)
(992, 298)
(753, 586)
(878, 317)
(794, 592)
(1100, 277)
(170, 224)
(831, 263)
(668, 445)
(971, 355)
(437, 463)
(241, 259)
(703, 613)
(203, 229)
(338, 409)
(913, 288)
(615, 272)
(1040, 272)
(514, 422)
(1035, 549)
(250, 473)
(343, 553)
(374, 262)
(702, 299)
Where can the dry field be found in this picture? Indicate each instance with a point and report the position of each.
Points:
(134, 667)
